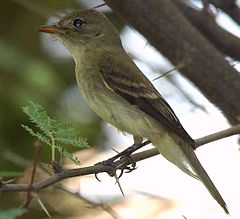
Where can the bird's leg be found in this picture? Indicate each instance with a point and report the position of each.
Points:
(137, 142)
(127, 152)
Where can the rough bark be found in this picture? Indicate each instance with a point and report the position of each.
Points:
(230, 7)
(220, 38)
(174, 36)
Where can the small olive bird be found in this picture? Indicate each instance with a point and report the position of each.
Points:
(120, 94)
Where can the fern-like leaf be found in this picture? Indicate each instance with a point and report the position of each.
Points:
(39, 117)
(66, 134)
(38, 135)
(68, 155)
(53, 133)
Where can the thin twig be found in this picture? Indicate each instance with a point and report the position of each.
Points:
(176, 68)
(43, 207)
(38, 148)
(99, 6)
(99, 168)
(93, 204)
(205, 5)
(219, 135)
(16, 159)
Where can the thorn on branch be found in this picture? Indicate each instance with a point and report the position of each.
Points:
(205, 5)
(119, 185)
(98, 6)
(208, 10)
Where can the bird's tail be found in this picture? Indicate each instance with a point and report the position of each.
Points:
(184, 157)
(195, 164)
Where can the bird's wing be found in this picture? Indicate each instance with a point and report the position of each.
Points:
(123, 77)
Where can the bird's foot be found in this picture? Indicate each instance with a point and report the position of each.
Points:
(122, 161)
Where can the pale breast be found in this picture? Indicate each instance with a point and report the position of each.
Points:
(113, 108)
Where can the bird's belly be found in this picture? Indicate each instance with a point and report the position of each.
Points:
(119, 113)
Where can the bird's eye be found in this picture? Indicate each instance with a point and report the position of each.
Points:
(78, 23)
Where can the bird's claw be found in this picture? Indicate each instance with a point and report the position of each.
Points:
(128, 166)
(107, 163)
(95, 174)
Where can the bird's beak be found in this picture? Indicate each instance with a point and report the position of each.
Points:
(51, 29)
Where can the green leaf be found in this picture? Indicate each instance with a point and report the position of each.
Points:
(68, 155)
(53, 133)
(71, 157)
(12, 213)
(66, 134)
(5, 173)
(39, 117)
(41, 137)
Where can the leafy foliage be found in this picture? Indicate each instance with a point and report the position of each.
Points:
(7, 173)
(53, 133)
(12, 213)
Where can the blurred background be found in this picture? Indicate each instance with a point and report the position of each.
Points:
(36, 67)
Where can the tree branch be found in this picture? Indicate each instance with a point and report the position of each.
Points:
(226, 42)
(230, 7)
(99, 168)
(175, 37)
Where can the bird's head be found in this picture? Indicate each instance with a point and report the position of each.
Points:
(84, 28)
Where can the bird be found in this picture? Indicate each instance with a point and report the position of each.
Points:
(117, 91)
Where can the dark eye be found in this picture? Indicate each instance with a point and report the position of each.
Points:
(78, 23)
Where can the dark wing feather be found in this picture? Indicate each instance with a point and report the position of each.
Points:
(140, 92)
